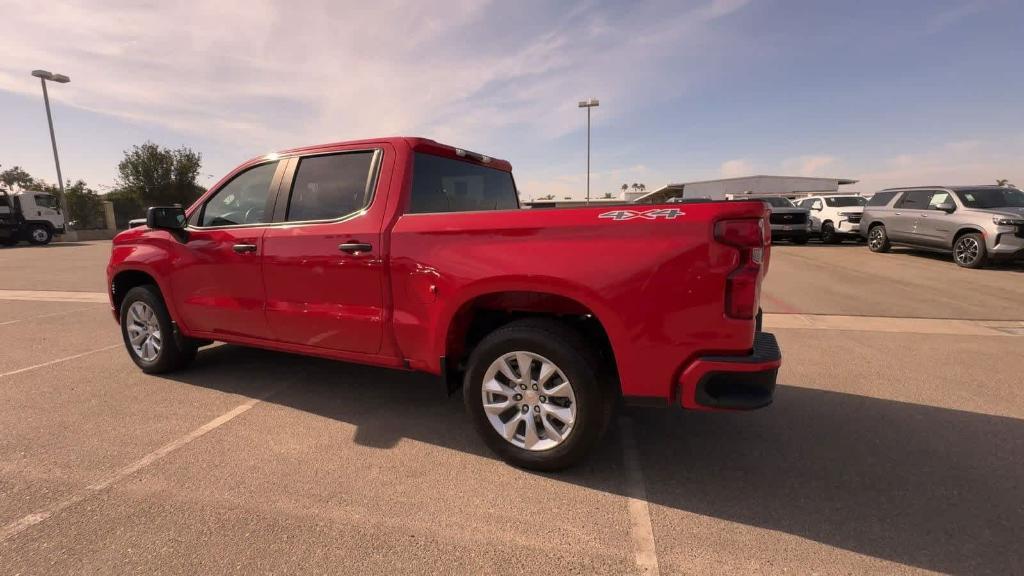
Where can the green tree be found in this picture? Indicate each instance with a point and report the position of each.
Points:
(158, 176)
(624, 188)
(85, 206)
(607, 195)
(15, 178)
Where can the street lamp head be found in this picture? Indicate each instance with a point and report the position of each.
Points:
(47, 75)
(589, 103)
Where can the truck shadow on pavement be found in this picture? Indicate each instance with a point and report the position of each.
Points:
(928, 487)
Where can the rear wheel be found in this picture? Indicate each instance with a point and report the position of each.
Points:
(969, 251)
(878, 240)
(149, 334)
(39, 235)
(534, 395)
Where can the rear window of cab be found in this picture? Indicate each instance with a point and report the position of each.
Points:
(446, 185)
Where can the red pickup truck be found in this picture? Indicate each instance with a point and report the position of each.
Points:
(410, 254)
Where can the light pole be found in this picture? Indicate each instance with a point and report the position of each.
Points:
(43, 76)
(588, 104)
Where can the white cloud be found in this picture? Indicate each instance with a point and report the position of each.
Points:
(734, 168)
(271, 73)
(962, 162)
(812, 165)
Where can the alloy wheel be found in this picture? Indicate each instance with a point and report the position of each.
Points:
(529, 401)
(877, 238)
(967, 250)
(39, 234)
(144, 331)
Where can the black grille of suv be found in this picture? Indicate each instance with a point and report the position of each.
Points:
(788, 218)
(854, 218)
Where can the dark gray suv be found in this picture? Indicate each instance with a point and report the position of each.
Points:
(975, 223)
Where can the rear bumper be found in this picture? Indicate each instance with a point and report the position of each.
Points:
(733, 382)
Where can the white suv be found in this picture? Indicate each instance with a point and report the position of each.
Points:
(834, 217)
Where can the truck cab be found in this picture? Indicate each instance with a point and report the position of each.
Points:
(29, 215)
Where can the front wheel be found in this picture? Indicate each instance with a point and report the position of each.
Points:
(149, 333)
(969, 251)
(878, 240)
(828, 234)
(535, 396)
(39, 235)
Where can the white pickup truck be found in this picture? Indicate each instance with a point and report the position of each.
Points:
(28, 215)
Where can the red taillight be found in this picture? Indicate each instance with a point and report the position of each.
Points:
(746, 233)
(741, 286)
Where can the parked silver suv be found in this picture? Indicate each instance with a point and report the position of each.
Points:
(975, 223)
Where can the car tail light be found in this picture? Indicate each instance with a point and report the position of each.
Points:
(741, 286)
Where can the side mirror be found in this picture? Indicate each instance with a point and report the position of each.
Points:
(947, 207)
(166, 218)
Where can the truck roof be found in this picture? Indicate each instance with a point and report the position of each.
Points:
(417, 143)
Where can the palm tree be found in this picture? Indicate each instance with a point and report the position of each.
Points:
(643, 188)
(607, 195)
(1004, 183)
(635, 187)
(625, 187)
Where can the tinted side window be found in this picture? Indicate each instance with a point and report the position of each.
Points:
(916, 199)
(329, 187)
(241, 201)
(939, 197)
(881, 199)
(46, 201)
(446, 185)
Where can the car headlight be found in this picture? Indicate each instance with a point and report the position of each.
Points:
(1003, 221)
(848, 214)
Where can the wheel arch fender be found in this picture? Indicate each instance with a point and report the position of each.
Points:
(967, 229)
(535, 294)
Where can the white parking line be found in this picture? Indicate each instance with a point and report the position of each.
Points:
(51, 315)
(54, 296)
(644, 552)
(30, 520)
(57, 361)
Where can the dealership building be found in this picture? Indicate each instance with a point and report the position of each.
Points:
(725, 188)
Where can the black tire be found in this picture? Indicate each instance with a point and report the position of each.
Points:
(39, 235)
(969, 251)
(828, 234)
(573, 355)
(801, 240)
(175, 352)
(878, 240)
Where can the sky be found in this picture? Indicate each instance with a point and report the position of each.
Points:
(913, 92)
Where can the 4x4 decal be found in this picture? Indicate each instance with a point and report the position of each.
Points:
(653, 214)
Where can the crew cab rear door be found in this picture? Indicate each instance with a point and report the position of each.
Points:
(323, 265)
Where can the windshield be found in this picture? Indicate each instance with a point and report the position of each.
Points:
(776, 202)
(992, 198)
(844, 201)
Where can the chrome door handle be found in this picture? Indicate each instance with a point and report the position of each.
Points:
(354, 247)
(244, 248)
(899, 213)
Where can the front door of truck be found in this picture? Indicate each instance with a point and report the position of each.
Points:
(218, 282)
(937, 227)
(323, 266)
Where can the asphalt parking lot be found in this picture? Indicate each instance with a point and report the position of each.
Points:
(895, 445)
